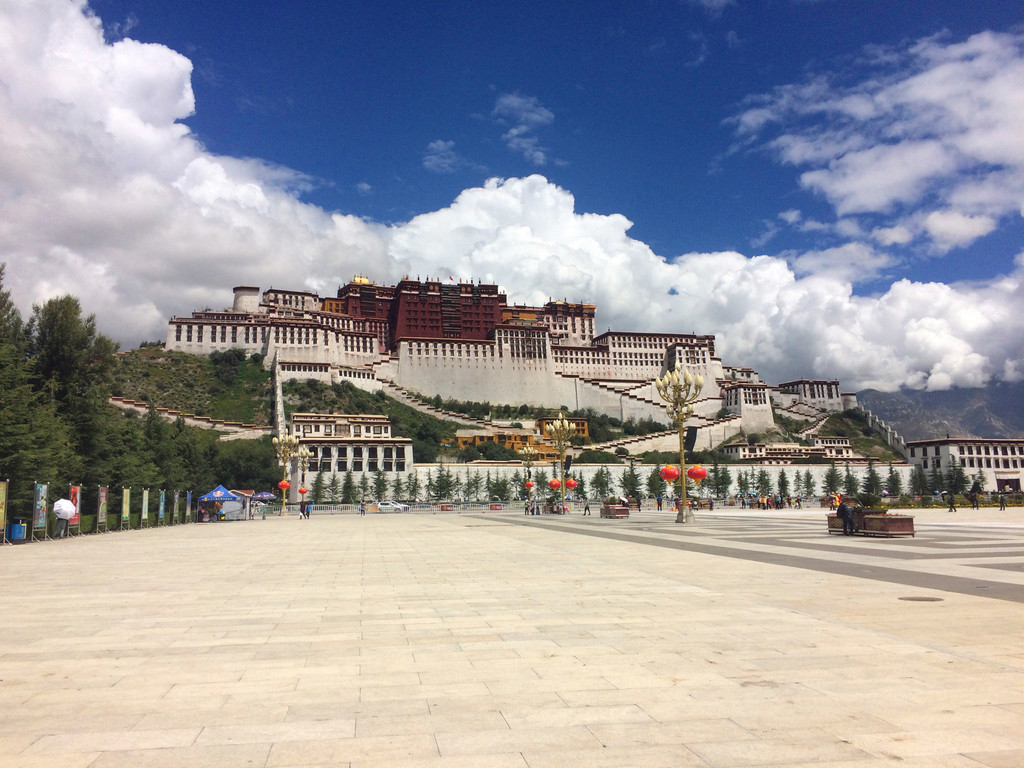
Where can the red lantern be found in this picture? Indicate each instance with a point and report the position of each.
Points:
(554, 485)
(669, 473)
(571, 484)
(529, 484)
(303, 491)
(284, 485)
(696, 473)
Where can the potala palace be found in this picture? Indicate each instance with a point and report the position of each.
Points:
(465, 341)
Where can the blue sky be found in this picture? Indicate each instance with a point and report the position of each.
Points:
(834, 188)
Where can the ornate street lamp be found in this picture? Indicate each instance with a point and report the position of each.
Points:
(679, 389)
(528, 454)
(559, 433)
(286, 447)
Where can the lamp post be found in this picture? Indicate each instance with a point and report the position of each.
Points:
(679, 389)
(528, 454)
(559, 432)
(286, 447)
(303, 455)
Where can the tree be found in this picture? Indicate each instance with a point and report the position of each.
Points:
(832, 479)
(655, 484)
(850, 483)
(894, 483)
(364, 486)
(956, 477)
(397, 488)
(630, 482)
(764, 483)
(581, 488)
(602, 483)
(473, 486)
(380, 485)
(34, 442)
(318, 493)
(412, 487)
(935, 479)
(12, 329)
(444, 483)
(721, 479)
(809, 484)
(918, 481)
(743, 482)
(344, 492)
(782, 483)
(872, 482)
(501, 488)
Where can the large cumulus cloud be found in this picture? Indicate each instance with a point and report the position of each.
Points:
(105, 194)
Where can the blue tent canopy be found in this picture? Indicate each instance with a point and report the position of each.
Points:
(220, 493)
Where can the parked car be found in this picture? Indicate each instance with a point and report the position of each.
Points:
(391, 506)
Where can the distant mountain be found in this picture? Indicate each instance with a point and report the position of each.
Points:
(988, 412)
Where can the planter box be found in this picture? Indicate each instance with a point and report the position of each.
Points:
(888, 525)
(614, 510)
(867, 524)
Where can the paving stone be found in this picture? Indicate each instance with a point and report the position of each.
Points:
(430, 641)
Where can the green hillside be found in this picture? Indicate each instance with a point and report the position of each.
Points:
(225, 386)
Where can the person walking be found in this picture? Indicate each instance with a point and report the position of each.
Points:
(586, 506)
(1002, 501)
(362, 508)
(952, 502)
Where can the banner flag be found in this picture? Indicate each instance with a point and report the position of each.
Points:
(101, 510)
(160, 510)
(3, 509)
(75, 496)
(144, 517)
(188, 506)
(174, 509)
(126, 508)
(39, 518)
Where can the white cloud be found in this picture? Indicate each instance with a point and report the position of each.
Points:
(526, 114)
(151, 225)
(441, 157)
(950, 229)
(929, 133)
(897, 235)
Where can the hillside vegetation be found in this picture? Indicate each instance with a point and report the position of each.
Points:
(225, 386)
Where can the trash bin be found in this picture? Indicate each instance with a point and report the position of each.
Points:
(16, 533)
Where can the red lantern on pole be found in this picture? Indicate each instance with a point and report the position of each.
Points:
(571, 484)
(284, 485)
(303, 491)
(529, 484)
(669, 473)
(554, 485)
(696, 473)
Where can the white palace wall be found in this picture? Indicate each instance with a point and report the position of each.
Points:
(476, 370)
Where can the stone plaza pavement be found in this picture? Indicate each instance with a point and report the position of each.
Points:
(494, 640)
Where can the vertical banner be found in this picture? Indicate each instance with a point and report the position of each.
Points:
(3, 510)
(126, 508)
(162, 507)
(188, 507)
(39, 508)
(75, 496)
(101, 510)
(144, 517)
(174, 509)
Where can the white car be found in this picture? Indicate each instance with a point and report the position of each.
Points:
(391, 506)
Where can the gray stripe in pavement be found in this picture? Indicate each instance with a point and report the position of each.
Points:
(956, 584)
